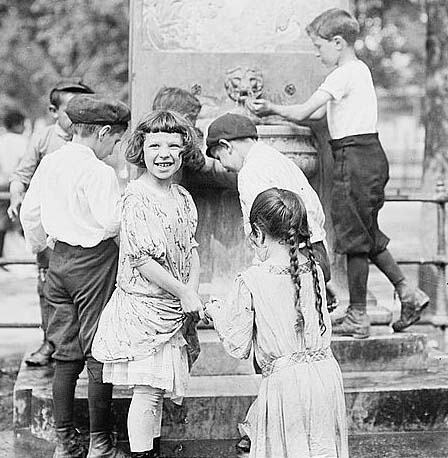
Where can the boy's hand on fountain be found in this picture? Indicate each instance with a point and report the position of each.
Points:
(190, 300)
(260, 107)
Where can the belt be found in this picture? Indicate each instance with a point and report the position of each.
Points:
(298, 357)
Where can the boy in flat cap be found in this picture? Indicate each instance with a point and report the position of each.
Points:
(47, 141)
(233, 140)
(74, 201)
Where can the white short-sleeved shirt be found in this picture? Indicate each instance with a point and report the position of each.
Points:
(264, 168)
(353, 108)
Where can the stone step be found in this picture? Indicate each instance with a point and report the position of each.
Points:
(404, 351)
(415, 444)
(376, 402)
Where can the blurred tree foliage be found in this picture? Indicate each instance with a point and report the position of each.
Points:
(392, 43)
(44, 40)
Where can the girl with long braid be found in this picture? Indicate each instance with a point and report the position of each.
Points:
(277, 306)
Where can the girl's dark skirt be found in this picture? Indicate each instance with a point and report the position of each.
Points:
(360, 174)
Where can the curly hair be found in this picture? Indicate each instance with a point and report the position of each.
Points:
(282, 215)
(159, 121)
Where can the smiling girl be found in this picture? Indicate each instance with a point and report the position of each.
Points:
(139, 337)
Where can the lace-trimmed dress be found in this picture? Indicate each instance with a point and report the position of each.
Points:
(139, 336)
(300, 409)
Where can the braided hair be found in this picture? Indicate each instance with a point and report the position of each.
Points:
(282, 215)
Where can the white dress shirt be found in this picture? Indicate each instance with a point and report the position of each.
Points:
(264, 168)
(73, 197)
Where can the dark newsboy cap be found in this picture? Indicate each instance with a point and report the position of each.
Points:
(72, 84)
(89, 109)
(230, 126)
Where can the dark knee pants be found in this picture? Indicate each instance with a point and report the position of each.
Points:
(360, 174)
(43, 260)
(79, 283)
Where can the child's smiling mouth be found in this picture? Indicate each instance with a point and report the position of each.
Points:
(164, 164)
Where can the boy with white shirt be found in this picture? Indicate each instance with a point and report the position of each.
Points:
(74, 201)
(360, 172)
(233, 140)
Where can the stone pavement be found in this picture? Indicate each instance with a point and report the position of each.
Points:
(387, 445)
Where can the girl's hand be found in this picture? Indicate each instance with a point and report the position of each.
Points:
(190, 300)
(261, 107)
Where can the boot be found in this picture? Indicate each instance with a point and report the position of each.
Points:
(156, 447)
(413, 302)
(243, 445)
(102, 446)
(68, 444)
(355, 323)
(147, 454)
(42, 356)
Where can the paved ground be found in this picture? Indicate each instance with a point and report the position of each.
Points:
(398, 445)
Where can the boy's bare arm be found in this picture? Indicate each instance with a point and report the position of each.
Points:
(311, 109)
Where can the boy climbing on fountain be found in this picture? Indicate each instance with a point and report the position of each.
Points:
(360, 172)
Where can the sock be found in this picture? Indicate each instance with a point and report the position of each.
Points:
(64, 383)
(357, 275)
(144, 417)
(100, 398)
(387, 264)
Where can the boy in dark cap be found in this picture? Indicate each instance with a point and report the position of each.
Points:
(233, 140)
(74, 201)
(47, 141)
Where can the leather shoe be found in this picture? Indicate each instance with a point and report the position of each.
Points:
(355, 324)
(243, 445)
(102, 446)
(42, 356)
(68, 444)
(413, 302)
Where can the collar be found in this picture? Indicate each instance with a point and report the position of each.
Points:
(60, 132)
(78, 147)
(250, 152)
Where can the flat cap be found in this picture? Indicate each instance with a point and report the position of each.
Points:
(72, 84)
(89, 109)
(230, 126)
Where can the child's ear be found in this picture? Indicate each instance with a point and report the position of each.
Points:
(225, 144)
(339, 41)
(53, 111)
(104, 131)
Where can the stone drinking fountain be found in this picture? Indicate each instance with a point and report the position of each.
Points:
(225, 51)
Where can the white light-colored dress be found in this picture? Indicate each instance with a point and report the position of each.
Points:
(139, 336)
(300, 409)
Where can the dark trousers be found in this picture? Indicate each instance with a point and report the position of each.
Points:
(43, 260)
(79, 283)
(360, 174)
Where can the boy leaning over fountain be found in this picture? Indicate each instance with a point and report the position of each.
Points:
(233, 140)
(361, 170)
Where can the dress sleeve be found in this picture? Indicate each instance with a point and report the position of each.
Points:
(234, 320)
(142, 235)
(192, 214)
